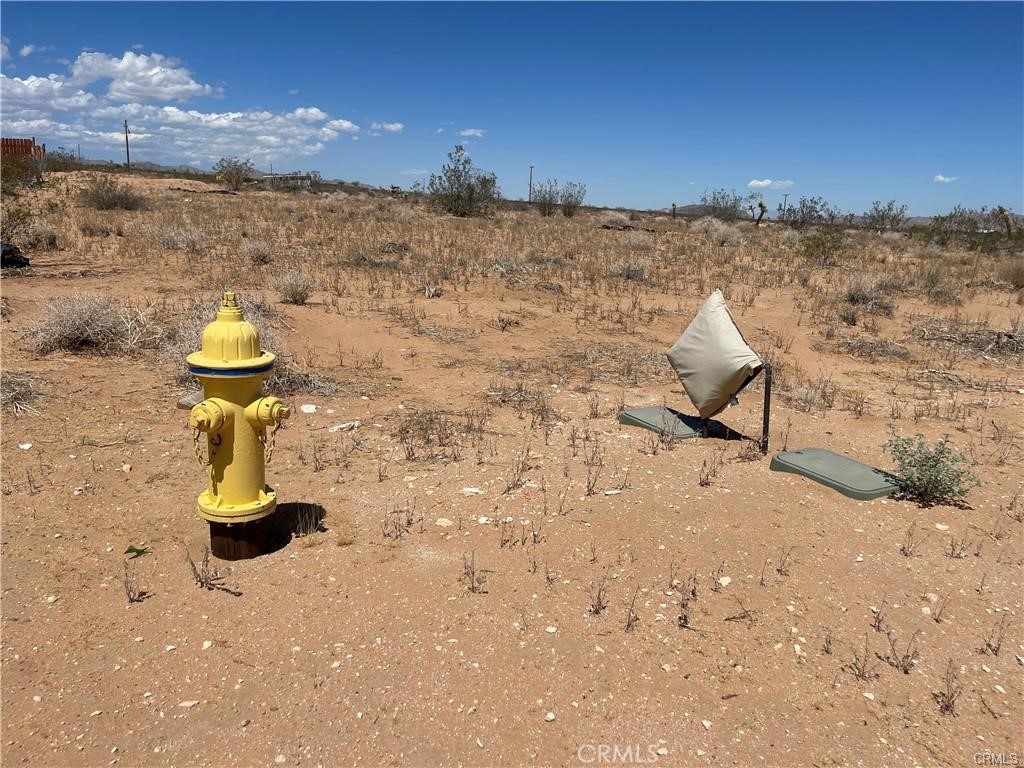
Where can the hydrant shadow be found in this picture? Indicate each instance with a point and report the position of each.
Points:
(295, 519)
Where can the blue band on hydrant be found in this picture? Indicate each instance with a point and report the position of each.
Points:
(230, 371)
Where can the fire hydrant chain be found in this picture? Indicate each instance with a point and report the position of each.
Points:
(268, 443)
(196, 435)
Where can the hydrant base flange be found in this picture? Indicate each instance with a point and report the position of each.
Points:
(213, 509)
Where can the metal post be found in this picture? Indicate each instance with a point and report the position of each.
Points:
(673, 211)
(127, 157)
(530, 198)
(766, 418)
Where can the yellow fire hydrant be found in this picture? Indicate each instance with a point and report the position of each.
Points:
(235, 417)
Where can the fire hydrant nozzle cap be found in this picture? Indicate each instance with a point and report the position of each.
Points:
(231, 345)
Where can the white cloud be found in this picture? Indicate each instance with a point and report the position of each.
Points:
(139, 77)
(769, 184)
(414, 172)
(309, 114)
(292, 91)
(478, 132)
(27, 50)
(439, 130)
(345, 126)
(87, 103)
(389, 127)
(5, 52)
(138, 47)
(944, 179)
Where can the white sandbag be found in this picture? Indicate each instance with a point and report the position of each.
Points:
(712, 359)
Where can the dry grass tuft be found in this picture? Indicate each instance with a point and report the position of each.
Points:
(106, 193)
(18, 390)
(295, 286)
(93, 323)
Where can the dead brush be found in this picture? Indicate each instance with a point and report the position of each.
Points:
(745, 615)
(598, 596)
(632, 618)
(473, 577)
(593, 459)
(398, 521)
(207, 577)
(864, 292)
(709, 471)
(904, 660)
(912, 540)
(947, 697)
(860, 666)
(18, 391)
(957, 548)
(179, 237)
(94, 323)
(132, 591)
(517, 474)
(993, 642)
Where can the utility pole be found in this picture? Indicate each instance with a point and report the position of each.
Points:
(530, 198)
(127, 156)
(785, 201)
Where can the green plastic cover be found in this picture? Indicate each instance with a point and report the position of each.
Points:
(848, 476)
(664, 421)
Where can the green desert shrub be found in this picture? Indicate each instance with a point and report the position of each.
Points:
(930, 474)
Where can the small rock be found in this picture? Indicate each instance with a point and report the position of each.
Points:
(869, 695)
(725, 581)
(170, 648)
(662, 751)
(859, 559)
(51, 599)
(348, 426)
(479, 743)
(188, 704)
(444, 522)
(126, 468)
(613, 492)
(551, 630)
(24, 446)
(706, 724)
(307, 408)
(96, 712)
(941, 527)
(207, 645)
(280, 759)
(484, 520)
(549, 717)
(470, 491)
(1000, 689)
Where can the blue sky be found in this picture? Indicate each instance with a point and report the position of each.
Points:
(647, 104)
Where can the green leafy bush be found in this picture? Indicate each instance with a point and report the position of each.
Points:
(461, 189)
(571, 198)
(930, 474)
(545, 197)
(234, 172)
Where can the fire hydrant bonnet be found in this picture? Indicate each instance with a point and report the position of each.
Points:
(231, 345)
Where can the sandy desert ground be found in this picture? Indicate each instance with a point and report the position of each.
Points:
(486, 361)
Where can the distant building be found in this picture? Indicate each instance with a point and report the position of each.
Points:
(287, 180)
